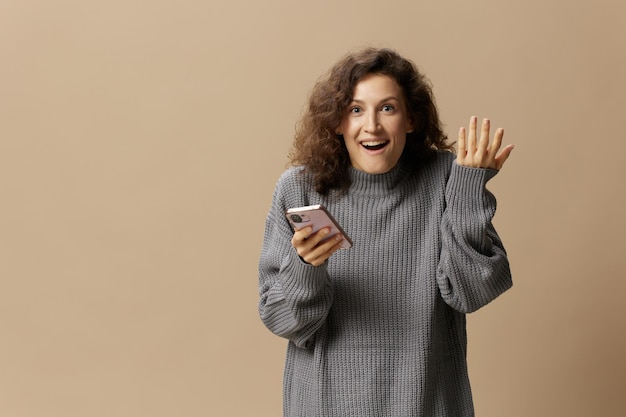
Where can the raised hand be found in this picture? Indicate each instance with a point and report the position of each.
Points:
(481, 153)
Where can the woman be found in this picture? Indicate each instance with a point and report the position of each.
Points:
(379, 329)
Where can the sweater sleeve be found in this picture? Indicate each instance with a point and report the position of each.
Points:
(295, 297)
(473, 268)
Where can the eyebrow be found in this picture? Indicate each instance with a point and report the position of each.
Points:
(354, 100)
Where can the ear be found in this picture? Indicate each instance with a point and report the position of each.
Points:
(410, 126)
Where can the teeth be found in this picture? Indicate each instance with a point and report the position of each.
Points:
(374, 143)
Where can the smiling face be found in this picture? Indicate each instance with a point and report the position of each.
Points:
(375, 124)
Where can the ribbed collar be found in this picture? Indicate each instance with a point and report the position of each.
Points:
(377, 185)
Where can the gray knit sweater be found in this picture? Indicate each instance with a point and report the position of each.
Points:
(379, 329)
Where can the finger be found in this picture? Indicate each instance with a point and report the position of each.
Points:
(324, 250)
(301, 235)
(471, 140)
(301, 242)
(305, 242)
(495, 145)
(318, 236)
(462, 148)
(484, 138)
(503, 155)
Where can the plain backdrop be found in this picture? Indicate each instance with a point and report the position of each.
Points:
(140, 142)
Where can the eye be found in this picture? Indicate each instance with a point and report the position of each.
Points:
(355, 110)
(388, 108)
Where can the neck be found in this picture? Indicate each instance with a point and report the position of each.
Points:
(376, 185)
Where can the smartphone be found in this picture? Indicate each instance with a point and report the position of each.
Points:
(317, 217)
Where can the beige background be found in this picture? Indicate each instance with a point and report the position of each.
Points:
(140, 142)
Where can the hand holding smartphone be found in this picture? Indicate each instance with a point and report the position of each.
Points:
(317, 217)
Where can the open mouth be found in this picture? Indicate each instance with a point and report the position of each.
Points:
(374, 145)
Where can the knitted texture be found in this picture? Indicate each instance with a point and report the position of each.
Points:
(379, 329)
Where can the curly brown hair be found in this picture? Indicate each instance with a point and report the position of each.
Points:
(323, 152)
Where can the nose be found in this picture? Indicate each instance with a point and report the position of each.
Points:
(371, 122)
